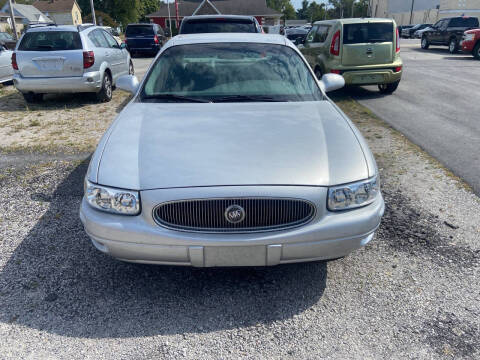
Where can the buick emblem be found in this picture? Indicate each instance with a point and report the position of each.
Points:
(235, 214)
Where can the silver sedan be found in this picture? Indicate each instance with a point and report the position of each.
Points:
(6, 70)
(230, 154)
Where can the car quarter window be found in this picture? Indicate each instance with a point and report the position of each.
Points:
(321, 34)
(111, 41)
(98, 39)
(311, 34)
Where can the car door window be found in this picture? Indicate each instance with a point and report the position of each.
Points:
(111, 41)
(444, 25)
(321, 34)
(98, 39)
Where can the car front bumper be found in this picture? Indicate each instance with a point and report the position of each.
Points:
(89, 82)
(139, 239)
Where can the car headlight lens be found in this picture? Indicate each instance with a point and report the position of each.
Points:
(117, 201)
(353, 195)
(469, 37)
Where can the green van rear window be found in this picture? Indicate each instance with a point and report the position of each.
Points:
(367, 33)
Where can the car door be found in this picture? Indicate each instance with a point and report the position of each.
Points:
(118, 57)
(315, 43)
(6, 70)
(444, 35)
(436, 32)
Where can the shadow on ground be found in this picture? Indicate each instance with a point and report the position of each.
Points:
(55, 281)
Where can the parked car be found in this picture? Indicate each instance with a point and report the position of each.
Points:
(219, 24)
(114, 33)
(7, 41)
(144, 38)
(364, 51)
(296, 34)
(449, 32)
(410, 31)
(418, 34)
(471, 43)
(6, 71)
(207, 167)
(72, 59)
(403, 27)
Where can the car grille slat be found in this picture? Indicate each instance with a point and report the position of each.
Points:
(208, 215)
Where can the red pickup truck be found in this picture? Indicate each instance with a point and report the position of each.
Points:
(471, 43)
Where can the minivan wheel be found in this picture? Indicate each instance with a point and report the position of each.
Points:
(131, 69)
(425, 43)
(32, 97)
(105, 94)
(452, 46)
(318, 73)
(476, 51)
(388, 88)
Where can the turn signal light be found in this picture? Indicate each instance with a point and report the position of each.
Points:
(14, 61)
(398, 42)
(88, 59)
(156, 39)
(398, 69)
(335, 45)
(335, 71)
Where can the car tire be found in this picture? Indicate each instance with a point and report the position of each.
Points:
(32, 97)
(453, 46)
(388, 88)
(318, 73)
(131, 69)
(476, 51)
(105, 94)
(425, 44)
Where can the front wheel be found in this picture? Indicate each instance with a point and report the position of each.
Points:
(453, 46)
(318, 73)
(105, 94)
(425, 43)
(131, 69)
(476, 51)
(388, 88)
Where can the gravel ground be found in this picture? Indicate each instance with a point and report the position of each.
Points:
(413, 292)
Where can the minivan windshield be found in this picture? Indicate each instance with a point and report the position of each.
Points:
(222, 72)
(218, 25)
(139, 30)
(367, 33)
(50, 41)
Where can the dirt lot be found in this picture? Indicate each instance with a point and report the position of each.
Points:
(414, 292)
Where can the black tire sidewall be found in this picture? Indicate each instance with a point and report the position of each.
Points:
(425, 40)
(454, 50)
(476, 51)
(103, 94)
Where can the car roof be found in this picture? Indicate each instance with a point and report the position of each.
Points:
(239, 17)
(141, 24)
(40, 28)
(354, 21)
(254, 38)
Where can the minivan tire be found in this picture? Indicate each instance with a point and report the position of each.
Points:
(476, 51)
(453, 46)
(105, 94)
(318, 73)
(32, 97)
(425, 43)
(131, 69)
(388, 88)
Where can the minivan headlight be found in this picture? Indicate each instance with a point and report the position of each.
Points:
(116, 201)
(354, 195)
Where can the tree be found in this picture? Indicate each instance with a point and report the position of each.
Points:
(311, 11)
(122, 11)
(106, 19)
(284, 6)
(148, 7)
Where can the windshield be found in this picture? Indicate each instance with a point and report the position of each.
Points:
(367, 33)
(214, 72)
(51, 41)
(5, 36)
(139, 30)
(218, 26)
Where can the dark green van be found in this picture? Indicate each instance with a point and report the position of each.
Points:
(365, 51)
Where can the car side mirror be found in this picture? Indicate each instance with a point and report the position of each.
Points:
(123, 46)
(128, 83)
(331, 82)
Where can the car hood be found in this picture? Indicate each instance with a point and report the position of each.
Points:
(153, 146)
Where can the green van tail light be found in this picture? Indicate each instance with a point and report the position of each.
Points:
(335, 45)
(397, 50)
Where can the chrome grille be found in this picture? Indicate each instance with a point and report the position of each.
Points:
(209, 215)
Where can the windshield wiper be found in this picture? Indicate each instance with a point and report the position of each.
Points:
(173, 97)
(247, 98)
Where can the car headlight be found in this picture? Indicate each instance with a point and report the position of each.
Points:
(354, 195)
(117, 201)
(469, 37)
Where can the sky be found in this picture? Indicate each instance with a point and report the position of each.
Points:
(298, 3)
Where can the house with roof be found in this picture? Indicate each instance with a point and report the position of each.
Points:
(6, 22)
(256, 8)
(28, 13)
(62, 12)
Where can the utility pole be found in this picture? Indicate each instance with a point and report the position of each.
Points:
(411, 12)
(93, 13)
(353, 8)
(169, 18)
(12, 17)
